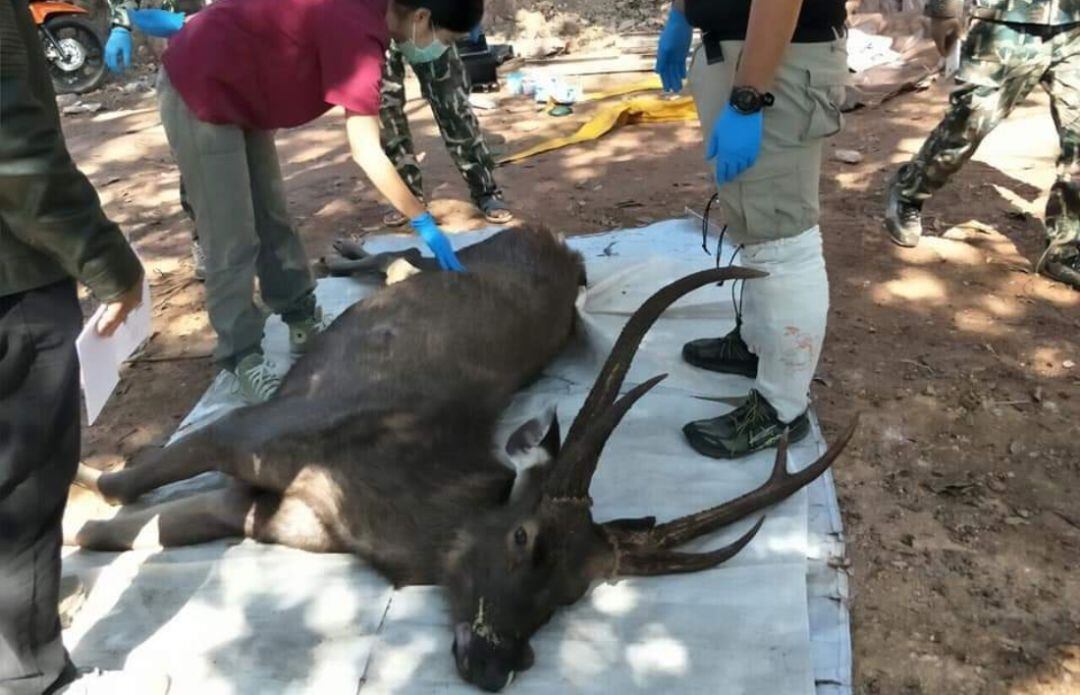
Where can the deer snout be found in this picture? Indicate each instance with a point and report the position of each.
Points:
(490, 667)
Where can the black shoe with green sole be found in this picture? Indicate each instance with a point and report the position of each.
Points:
(1064, 268)
(727, 355)
(752, 427)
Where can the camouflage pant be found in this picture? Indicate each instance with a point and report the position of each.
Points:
(1001, 64)
(445, 85)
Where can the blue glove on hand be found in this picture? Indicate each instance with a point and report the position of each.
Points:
(673, 50)
(735, 143)
(159, 23)
(429, 231)
(118, 50)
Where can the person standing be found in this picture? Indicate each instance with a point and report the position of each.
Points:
(444, 83)
(52, 233)
(1011, 46)
(768, 80)
(236, 72)
(161, 23)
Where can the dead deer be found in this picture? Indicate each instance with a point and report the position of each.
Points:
(380, 444)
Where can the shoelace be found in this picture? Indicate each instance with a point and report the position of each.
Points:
(909, 214)
(737, 303)
(264, 382)
(755, 415)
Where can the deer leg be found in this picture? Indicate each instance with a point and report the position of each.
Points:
(195, 454)
(237, 511)
(350, 248)
(200, 518)
(285, 520)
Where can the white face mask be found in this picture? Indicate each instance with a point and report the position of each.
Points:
(426, 54)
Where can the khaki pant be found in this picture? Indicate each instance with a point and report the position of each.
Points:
(233, 182)
(772, 210)
(777, 198)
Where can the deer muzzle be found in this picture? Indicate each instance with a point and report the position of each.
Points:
(490, 666)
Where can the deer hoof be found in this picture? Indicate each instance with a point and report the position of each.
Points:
(88, 478)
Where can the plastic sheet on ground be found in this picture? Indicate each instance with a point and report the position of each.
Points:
(239, 619)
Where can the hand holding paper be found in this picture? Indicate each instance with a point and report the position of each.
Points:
(116, 313)
(111, 335)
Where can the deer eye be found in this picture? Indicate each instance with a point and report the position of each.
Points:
(520, 536)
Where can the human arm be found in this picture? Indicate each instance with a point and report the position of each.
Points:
(674, 48)
(735, 141)
(946, 23)
(126, 16)
(46, 203)
(367, 152)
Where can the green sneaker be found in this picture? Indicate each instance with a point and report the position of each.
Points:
(302, 332)
(257, 379)
(750, 428)
(727, 355)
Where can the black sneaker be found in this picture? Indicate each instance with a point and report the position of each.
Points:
(751, 427)
(903, 218)
(727, 355)
(1063, 268)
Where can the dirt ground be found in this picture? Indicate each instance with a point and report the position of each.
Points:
(958, 491)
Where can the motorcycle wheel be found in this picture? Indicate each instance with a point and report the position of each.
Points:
(81, 67)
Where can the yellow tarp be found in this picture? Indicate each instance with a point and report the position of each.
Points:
(649, 83)
(647, 109)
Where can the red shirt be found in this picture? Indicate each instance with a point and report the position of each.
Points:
(265, 64)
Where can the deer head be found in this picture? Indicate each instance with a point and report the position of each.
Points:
(514, 567)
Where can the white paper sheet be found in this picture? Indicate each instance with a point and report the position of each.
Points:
(100, 358)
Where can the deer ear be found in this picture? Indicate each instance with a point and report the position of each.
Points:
(536, 442)
(533, 449)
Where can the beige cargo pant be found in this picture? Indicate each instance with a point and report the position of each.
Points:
(772, 211)
(233, 182)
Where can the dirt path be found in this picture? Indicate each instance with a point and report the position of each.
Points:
(958, 491)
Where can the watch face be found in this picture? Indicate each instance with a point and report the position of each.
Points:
(746, 100)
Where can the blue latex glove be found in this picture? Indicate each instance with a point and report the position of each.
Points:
(673, 51)
(429, 231)
(118, 49)
(159, 23)
(735, 143)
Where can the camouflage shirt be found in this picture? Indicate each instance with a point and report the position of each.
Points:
(1044, 12)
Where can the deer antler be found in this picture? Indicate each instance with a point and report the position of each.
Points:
(595, 421)
(646, 550)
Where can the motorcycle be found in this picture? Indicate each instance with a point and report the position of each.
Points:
(73, 47)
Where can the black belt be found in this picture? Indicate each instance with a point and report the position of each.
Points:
(824, 34)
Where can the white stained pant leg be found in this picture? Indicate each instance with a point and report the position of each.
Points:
(784, 317)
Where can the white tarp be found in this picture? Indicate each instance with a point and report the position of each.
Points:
(249, 619)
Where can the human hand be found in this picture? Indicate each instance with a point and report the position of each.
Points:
(673, 50)
(118, 50)
(116, 312)
(159, 23)
(735, 142)
(945, 31)
(429, 231)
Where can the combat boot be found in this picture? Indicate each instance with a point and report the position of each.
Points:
(903, 218)
(1063, 266)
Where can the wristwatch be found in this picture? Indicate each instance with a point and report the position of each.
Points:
(748, 101)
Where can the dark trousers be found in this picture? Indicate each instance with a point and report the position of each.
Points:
(39, 452)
